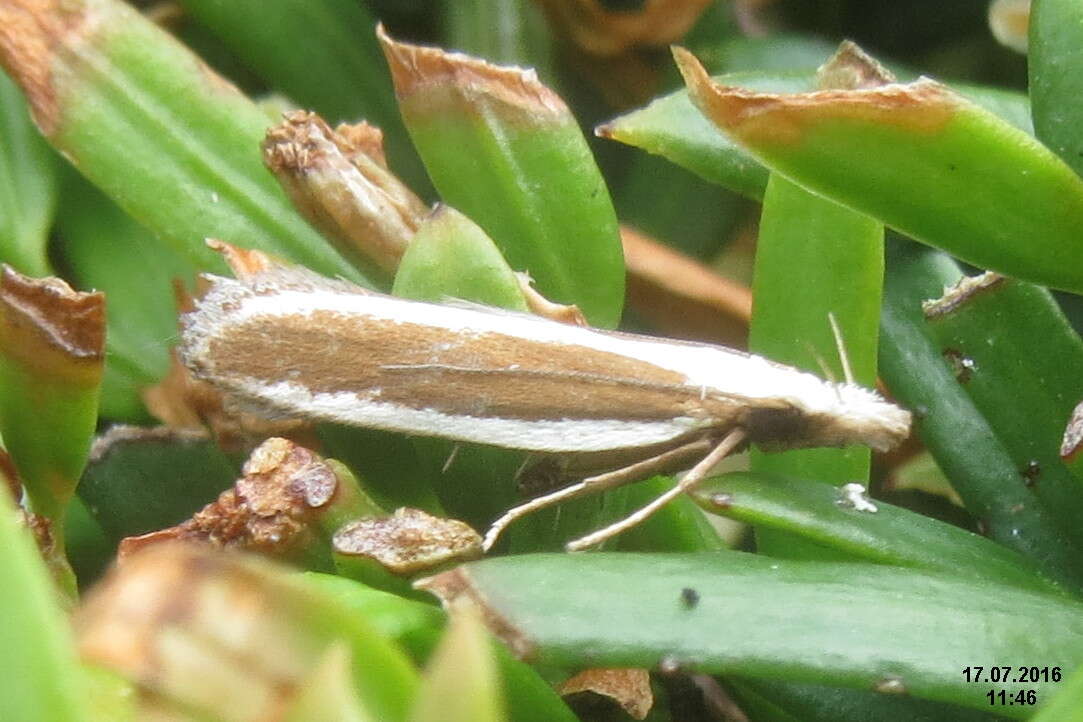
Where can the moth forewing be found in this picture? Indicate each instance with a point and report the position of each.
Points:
(295, 343)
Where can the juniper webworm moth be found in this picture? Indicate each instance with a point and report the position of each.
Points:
(293, 343)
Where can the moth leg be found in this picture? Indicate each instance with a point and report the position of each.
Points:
(593, 484)
(688, 482)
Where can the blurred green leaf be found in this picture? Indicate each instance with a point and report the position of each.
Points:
(106, 696)
(509, 32)
(795, 625)
(1053, 62)
(891, 535)
(460, 683)
(417, 628)
(87, 547)
(665, 216)
(27, 186)
(327, 693)
(779, 52)
(38, 682)
(505, 150)
(1066, 705)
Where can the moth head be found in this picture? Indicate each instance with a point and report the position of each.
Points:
(859, 416)
(830, 415)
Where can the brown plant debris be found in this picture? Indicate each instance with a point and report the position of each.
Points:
(965, 290)
(119, 435)
(772, 119)
(456, 590)
(182, 401)
(427, 74)
(628, 687)
(542, 306)
(244, 262)
(9, 476)
(271, 508)
(851, 68)
(31, 32)
(50, 329)
(601, 31)
(361, 139)
(409, 542)
(1009, 21)
(680, 296)
(205, 630)
(340, 182)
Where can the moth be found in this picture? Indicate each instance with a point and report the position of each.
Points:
(285, 341)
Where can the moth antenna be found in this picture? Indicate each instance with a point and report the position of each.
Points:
(450, 458)
(822, 363)
(840, 345)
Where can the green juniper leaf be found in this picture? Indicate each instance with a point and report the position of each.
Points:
(789, 702)
(672, 126)
(989, 328)
(28, 186)
(52, 343)
(1066, 705)
(965, 446)
(417, 627)
(106, 250)
(160, 133)
(141, 480)
(576, 610)
(821, 514)
(505, 150)
(922, 159)
(816, 260)
(1056, 41)
(39, 679)
(323, 55)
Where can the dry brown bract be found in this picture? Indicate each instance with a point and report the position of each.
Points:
(51, 329)
(270, 509)
(628, 687)
(418, 72)
(601, 31)
(771, 119)
(409, 542)
(456, 590)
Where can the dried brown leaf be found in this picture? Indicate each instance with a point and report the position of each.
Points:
(628, 687)
(680, 296)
